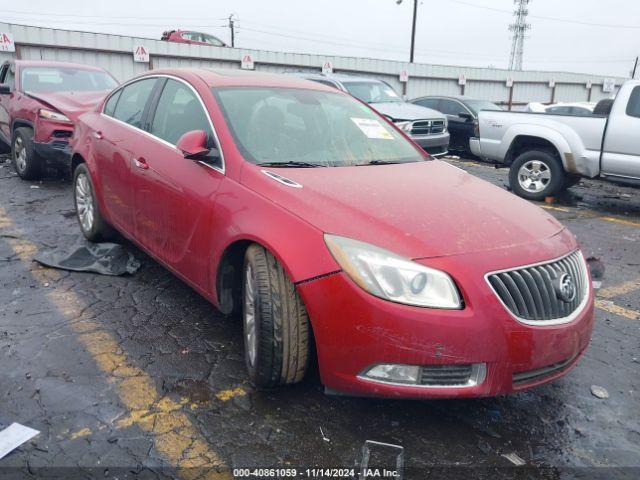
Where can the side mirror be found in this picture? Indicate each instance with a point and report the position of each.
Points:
(466, 117)
(5, 89)
(193, 145)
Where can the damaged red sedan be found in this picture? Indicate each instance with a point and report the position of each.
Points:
(335, 238)
(39, 101)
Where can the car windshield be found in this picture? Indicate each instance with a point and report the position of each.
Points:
(297, 127)
(45, 80)
(479, 105)
(372, 92)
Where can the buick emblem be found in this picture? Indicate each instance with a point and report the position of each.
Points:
(565, 288)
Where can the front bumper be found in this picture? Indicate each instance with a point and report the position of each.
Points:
(55, 153)
(355, 330)
(436, 145)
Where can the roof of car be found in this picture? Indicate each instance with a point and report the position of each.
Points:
(460, 98)
(51, 63)
(337, 76)
(221, 77)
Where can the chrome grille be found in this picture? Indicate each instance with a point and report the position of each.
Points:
(532, 293)
(437, 126)
(421, 127)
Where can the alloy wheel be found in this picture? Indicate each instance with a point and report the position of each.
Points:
(21, 154)
(250, 338)
(84, 202)
(534, 176)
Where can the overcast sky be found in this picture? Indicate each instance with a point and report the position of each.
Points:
(592, 36)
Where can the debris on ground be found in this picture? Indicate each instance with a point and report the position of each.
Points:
(103, 258)
(515, 459)
(599, 392)
(323, 436)
(596, 266)
(13, 436)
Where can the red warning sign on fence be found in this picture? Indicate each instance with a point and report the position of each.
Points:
(140, 54)
(6, 42)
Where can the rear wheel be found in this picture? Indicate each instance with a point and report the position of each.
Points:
(92, 224)
(26, 161)
(536, 175)
(276, 323)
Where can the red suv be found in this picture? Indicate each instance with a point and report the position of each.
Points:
(39, 102)
(194, 38)
(329, 232)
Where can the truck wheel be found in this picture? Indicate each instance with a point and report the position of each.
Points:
(92, 224)
(26, 161)
(276, 323)
(536, 174)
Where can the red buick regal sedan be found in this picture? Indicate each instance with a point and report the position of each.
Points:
(333, 236)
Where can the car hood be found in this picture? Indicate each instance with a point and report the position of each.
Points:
(418, 210)
(406, 111)
(72, 104)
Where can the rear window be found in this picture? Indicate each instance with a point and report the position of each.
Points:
(633, 107)
(46, 80)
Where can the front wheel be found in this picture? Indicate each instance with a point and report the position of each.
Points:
(276, 323)
(536, 174)
(92, 224)
(28, 164)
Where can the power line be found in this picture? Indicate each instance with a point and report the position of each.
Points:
(542, 17)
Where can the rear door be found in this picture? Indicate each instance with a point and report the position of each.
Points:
(175, 196)
(621, 152)
(116, 138)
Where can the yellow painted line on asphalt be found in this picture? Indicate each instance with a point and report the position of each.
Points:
(174, 435)
(609, 306)
(226, 395)
(621, 221)
(558, 209)
(80, 433)
(617, 290)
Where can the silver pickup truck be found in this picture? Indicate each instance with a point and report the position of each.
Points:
(547, 153)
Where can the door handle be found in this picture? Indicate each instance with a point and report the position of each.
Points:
(140, 163)
(97, 135)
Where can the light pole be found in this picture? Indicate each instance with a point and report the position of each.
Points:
(413, 29)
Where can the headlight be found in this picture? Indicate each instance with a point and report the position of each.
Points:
(51, 115)
(405, 126)
(446, 124)
(392, 277)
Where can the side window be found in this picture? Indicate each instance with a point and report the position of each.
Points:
(110, 106)
(211, 40)
(130, 106)
(433, 103)
(449, 107)
(178, 112)
(633, 107)
(10, 77)
(3, 71)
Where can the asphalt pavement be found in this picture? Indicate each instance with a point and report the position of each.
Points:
(139, 377)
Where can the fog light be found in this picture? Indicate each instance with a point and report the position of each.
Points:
(394, 373)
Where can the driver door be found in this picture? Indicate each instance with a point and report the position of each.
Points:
(174, 197)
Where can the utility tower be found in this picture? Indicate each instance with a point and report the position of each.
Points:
(519, 29)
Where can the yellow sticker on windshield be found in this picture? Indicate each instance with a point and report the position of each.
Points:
(372, 128)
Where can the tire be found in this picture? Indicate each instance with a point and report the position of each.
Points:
(28, 164)
(92, 223)
(526, 182)
(276, 324)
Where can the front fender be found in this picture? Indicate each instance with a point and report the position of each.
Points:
(241, 214)
(570, 147)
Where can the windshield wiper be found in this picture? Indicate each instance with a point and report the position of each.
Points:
(379, 162)
(291, 163)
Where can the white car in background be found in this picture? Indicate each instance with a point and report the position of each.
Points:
(575, 108)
